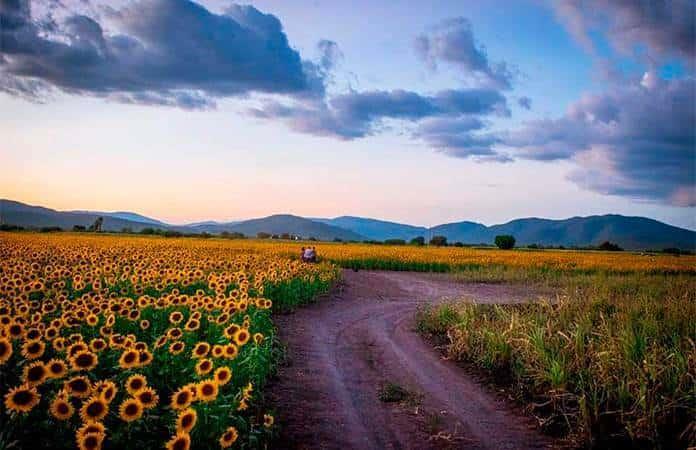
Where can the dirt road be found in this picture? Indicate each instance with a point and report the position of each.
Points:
(346, 348)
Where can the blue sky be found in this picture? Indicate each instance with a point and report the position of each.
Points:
(412, 115)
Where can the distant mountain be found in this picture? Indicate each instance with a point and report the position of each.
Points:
(29, 216)
(133, 217)
(628, 232)
(286, 223)
(634, 233)
(376, 229)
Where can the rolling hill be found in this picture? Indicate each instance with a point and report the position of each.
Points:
(635, 233)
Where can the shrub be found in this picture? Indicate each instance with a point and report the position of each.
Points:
(79, 228)
(395, 242)
(609, 246)
(438, 241)
(263, 235)
(505, 241)
(420, 240)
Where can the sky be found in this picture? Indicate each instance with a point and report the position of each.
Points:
(417, 112)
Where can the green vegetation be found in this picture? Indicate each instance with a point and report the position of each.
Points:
(505, 241)
(611, 362)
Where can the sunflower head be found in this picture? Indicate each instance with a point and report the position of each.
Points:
(61, 408)
(35, 373)
(79, 387)
(207, 390)
(84, 360)
(5, 350)
(268, 420)
(33, 349)
(57, 368)
(148, 397)
(181, 441)
(134, 383)
(200, 350)
(90, 441)
(181, 399)
(203, 367)
(130, 410)
(223, 375)
(186, 420)
(94, 409)
(22, 399)
(229, 437)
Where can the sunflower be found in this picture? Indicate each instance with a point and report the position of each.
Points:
(176, 317)
(268, 420)
(57, 368)
(218, 351)
(148, 397)
(84, 360)
(131, 409)
(107, 390)
(5, 350)
(241, 337)
(192, 325)
(258, 338)
(207, 390)
(229, 437)
(176, 347)
(74, 349)
(186, 420)
(58, 344)
(33, 349)
(97, 345)
(181, 441)
(15, 330)
(129, 359)
(90, 441)
(223, 375)
(22, 399)
(94, 409)
(145, 358)
(174, 334)
(200, 350)
(35, 373)
(160, 342)
(61, 408)
(134, 383)
(230, 330)
(181, 399)
(231, 351)
(144, 324)
(92, 320)
(90, 427)
(203, 367)
(79, 387)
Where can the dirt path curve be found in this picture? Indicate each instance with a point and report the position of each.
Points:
(344, 348)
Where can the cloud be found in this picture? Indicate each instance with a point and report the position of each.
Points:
(666, 28)
(164, 52)
(637, 141)
(525, 102)
(359, 114)
(452, 41)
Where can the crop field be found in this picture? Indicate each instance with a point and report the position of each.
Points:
(112, 341)
(139, 343)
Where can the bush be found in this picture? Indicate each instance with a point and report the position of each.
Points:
(505, 241)
(395, 242)
(420, 240)
(438, 241)
(79, 228)
(50, 229)
(263, 235)
(459, 244)
(609, 246)
(8, 227)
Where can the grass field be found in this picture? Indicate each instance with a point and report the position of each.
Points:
(132, 341)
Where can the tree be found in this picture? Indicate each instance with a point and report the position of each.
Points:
(79, 228)
(438, 241)
(420, 240)
(505, 241)
(395, 242)
(286, 236)
(610, 247)
(262, 235)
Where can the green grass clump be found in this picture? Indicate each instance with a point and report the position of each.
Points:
(611, 363)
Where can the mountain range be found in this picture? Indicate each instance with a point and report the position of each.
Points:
(628, 232)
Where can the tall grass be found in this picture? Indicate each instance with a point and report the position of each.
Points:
(611, 363)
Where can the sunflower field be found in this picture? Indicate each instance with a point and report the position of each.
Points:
(136, 342)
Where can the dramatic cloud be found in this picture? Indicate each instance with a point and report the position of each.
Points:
(666, 28)
(359, 114)
(638, 141)
(452, 41)
(165, 52)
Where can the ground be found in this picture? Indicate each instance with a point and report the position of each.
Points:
(359, 376)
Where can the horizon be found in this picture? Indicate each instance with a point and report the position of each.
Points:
(243, 219)
(433, 113)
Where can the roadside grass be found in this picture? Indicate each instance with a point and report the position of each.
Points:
(391, 392)
(611, 363)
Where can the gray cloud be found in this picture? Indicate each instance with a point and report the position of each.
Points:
(525, 102)
(666, 28)
(359, 114)
(636, 141)
(452, 41)
(167, 52)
